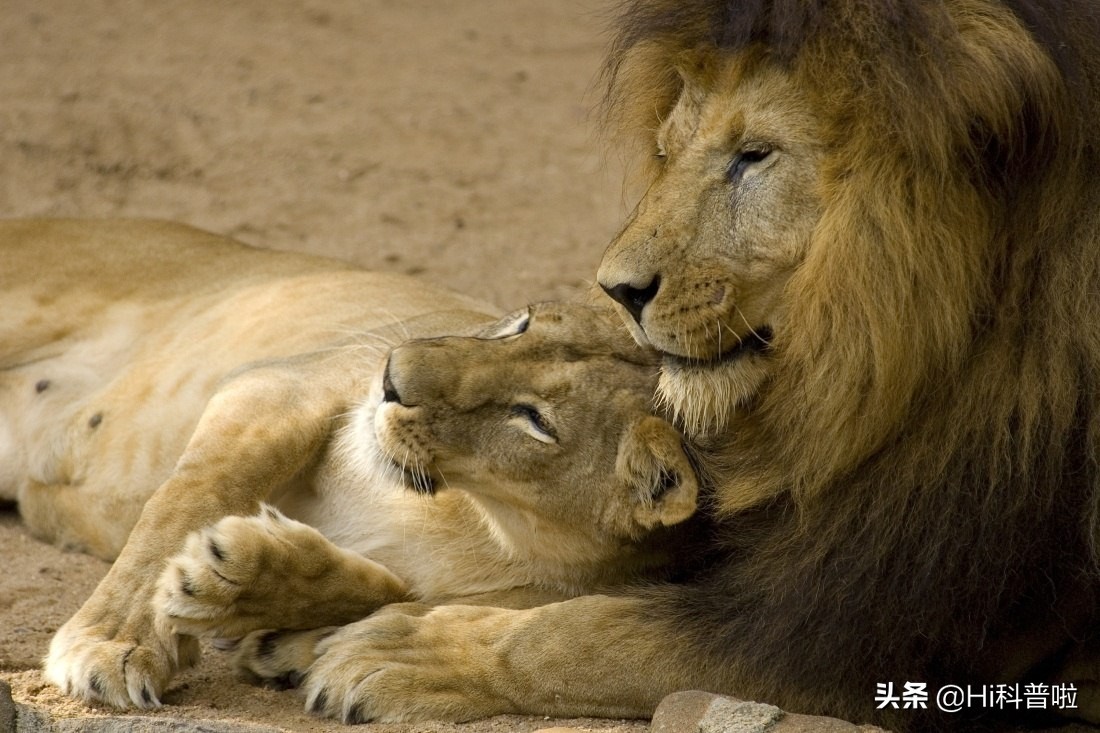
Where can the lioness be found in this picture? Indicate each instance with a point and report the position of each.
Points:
(157, 379)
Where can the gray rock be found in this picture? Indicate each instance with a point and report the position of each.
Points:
(705, 712)
(7, 709)
(29, 720)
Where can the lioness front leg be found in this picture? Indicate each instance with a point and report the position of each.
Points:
(257, 432)
(267, 571)
(590, 656)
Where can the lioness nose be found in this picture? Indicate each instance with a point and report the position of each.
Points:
(632, 298)
(389, 392)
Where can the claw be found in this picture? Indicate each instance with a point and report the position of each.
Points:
(265, 647)
(318, 703)
(356, 716)
(225, 645)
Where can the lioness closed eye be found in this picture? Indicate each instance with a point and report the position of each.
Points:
(159, 383)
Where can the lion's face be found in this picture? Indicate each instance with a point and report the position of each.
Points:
(700, 269)
(544, 416)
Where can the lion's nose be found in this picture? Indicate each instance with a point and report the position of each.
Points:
(634, 299)
(389, 392)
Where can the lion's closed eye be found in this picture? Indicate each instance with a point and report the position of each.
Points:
(745, 160)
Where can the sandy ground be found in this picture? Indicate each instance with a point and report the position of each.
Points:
(446, 138)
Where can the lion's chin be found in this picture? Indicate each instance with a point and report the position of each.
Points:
(703, 396)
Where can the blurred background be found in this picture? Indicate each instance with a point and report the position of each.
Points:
(454, 139)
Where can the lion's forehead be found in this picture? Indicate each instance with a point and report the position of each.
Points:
(734, 107)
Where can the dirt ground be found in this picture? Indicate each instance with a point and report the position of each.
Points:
(445, 138)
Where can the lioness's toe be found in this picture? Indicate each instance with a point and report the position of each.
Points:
(198, 589)
(278, 658)
(371, 690)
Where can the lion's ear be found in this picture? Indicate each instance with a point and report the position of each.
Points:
(662, 483)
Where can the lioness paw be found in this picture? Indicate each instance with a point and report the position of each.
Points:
(113, 664)
(244, 574)
(405, 664)
(226, 581)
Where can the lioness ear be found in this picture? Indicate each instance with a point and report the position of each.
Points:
(653, 465)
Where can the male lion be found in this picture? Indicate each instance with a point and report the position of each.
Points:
(159, 379)
(869, 250)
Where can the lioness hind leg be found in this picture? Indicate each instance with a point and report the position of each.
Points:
(77, 519)
(267, 571)
(279, 659)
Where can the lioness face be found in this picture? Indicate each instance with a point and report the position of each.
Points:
(699, 270)
(543, 416)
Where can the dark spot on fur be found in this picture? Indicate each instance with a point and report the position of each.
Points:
(41, 385)
(146, 696)
(95, 420)
(185, 585)
(265, 647)
(216, 551)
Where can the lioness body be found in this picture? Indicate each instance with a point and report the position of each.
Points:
(158, 383)
(869, 252)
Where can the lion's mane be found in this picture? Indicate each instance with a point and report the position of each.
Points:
(931, 428)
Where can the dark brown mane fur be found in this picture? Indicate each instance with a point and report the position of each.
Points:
(932, 428)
